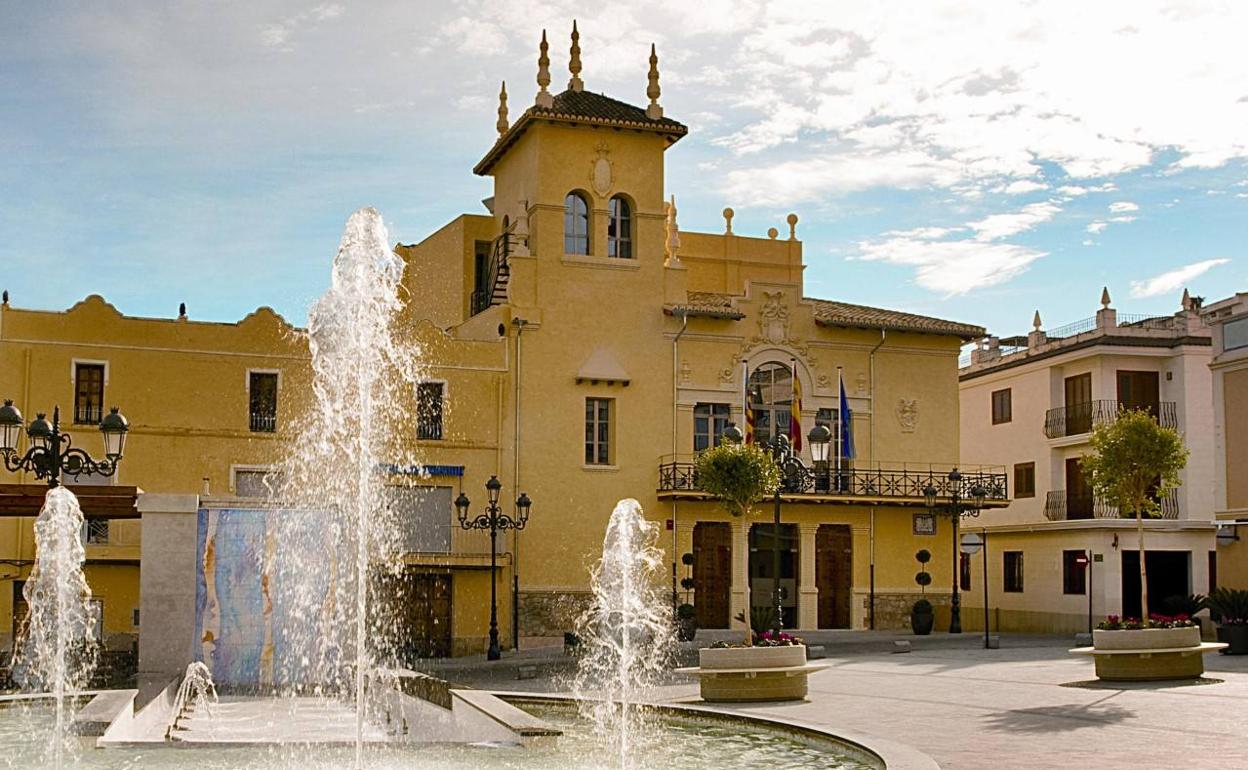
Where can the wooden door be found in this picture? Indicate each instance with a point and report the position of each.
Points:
(1079, 503)
(419, 607)
(1078, 404)
(834, 564)
(712, 572)
(1139, 390)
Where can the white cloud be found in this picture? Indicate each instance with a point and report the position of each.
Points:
(836, 173)
(1119, 207)
(1088, 242)
(1021, 186)
(953, 268)
(1173, 280)
(1125, 218)
(1097, 226)
(999, 226)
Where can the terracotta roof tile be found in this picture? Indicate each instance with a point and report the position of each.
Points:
(829, 313)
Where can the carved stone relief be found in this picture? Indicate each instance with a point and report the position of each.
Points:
(600, 171)
(908, 414)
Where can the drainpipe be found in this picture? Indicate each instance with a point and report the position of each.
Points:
(871, 586)
(871, 366)
(519, 323)
(684, 325)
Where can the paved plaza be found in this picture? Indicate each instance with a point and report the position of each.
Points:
(1026, 705)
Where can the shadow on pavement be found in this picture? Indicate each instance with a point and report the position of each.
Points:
(1057, 719)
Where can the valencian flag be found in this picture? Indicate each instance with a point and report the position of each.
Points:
(747, 405)
(795, 412)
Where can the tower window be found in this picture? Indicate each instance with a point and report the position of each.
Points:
(619, 229)
(575, 224)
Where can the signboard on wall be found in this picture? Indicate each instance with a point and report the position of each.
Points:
(924, 523)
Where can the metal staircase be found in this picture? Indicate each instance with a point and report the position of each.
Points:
(497, 273)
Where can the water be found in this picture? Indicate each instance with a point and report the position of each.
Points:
(627, 633)
(678, 744)
(57, 654)
(196, 692)
(338, 534)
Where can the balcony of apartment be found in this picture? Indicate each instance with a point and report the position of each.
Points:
(895, 484)
(1062, 506)
(1078, 419)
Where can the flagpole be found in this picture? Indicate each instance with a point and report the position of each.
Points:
(840, 428)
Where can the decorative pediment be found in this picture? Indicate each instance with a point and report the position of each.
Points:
(602, 367)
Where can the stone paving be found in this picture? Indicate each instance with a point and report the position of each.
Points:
(1026, 705)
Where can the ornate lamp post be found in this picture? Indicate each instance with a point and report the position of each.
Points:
(955, 507)
(52, 453)
(794, 476)
(494, 519)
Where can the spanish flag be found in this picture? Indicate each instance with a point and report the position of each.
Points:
(795, 412)
(747, 405)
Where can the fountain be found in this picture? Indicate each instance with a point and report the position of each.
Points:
(292, 614)
(57, 652)
(628, 632)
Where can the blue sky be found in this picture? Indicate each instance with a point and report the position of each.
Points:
(972, 162)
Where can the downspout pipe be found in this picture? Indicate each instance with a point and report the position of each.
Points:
(684, 326)
(519, 323)
(871, 587)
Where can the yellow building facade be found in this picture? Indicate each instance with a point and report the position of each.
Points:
(581, 348)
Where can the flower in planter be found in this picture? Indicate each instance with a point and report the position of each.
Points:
(770, 639)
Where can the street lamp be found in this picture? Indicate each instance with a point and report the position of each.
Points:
(494, 519)
(793, 476)
(52, 453)
(955, 506)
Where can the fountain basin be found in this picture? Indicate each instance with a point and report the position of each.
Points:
(691, 738)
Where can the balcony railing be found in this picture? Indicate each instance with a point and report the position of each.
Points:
(1060, 506)
(1081, 418)
(263, 422)
(677, 474)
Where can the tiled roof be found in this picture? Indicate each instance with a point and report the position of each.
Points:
(585, 104)
(828, 313)
(583, 107)
(706, 304)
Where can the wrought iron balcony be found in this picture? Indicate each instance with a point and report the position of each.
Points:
(263, 422)
(1060, 506)
(678, 474)
(1082, 418)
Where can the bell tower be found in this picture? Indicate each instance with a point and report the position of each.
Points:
(589, 154)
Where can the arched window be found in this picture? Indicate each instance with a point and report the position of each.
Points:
(575, 224)
(771, 396)
(619, 229)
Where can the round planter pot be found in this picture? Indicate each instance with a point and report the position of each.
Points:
(752, 657)
(921, 622)
(1146, 638)
(1236, 636)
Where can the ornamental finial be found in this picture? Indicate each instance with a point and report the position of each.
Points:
(1105, 297)
(1035, 321)
(544, 98)
(502, 124)
(654, 111)
(574, 63)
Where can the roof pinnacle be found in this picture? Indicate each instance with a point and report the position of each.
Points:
(1035, 321)
(502, 124)
(574, 63)
(654, 111)
(1105, 297)
(544, 97)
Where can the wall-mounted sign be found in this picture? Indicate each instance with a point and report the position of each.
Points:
(924, 523)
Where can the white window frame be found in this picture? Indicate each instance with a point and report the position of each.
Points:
(247, 389)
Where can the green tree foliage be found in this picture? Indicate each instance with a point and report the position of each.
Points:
(738, 475)
(1134, 462)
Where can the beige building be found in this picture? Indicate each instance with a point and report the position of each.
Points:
(1228, 320)
(1031, 402)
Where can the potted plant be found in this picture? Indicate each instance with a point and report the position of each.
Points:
(1229, 609)
(738, 475)
(922, 617)
(686, 622)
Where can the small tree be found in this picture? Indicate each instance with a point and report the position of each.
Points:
(738, 475)
(1134, 461)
